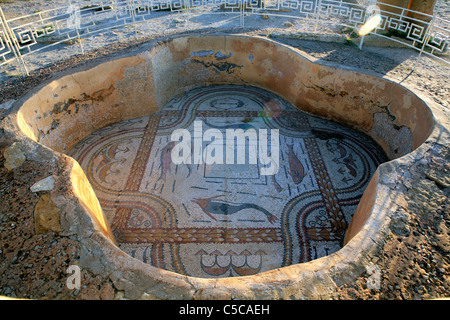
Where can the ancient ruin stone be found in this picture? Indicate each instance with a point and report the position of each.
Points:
(399, 223)
(45, 184)
(46, 216)
(14, 156)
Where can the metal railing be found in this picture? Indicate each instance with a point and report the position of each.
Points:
(28, 35)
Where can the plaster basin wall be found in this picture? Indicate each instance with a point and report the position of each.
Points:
(60, 113)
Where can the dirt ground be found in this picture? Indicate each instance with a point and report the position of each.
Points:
(415, 260)
(33, 266)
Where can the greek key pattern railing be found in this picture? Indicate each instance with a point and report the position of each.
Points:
(23, 36)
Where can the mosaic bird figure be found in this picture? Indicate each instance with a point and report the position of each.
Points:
(343, 158)
(296, 170)
(211, 208)
(104, 168)
(349, 162)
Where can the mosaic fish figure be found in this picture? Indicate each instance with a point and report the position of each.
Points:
(242, 125)
(296, 169)
(211, 208)
(322, 135)
(166, 159)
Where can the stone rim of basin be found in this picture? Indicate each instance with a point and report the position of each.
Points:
(81, 216)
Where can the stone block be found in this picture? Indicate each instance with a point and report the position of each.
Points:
(46, 216)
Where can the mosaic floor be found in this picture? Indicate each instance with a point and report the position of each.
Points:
(221, 220)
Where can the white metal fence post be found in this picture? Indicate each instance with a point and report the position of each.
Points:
(13, 44)
(74, 21)
(430, 26)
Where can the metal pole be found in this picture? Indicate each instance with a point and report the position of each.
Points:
(187, 12)
(365, 20)
(77, 15)
(361, 42)
(242, 12)
(318, 5)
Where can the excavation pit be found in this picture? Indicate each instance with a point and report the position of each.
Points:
(115, 117)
